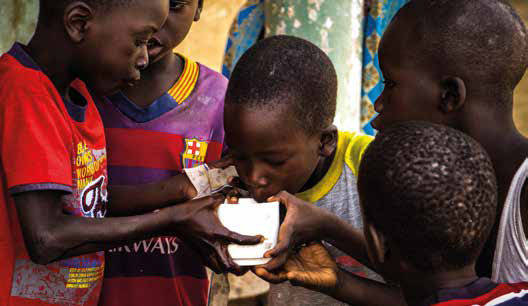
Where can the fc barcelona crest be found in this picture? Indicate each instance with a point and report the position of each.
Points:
(194, 153)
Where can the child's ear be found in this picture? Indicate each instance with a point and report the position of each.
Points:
(378, 249)
(453, 94)
(328, 141)
(77, 16)
(198, 13)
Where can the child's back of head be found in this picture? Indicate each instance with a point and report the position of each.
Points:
(431, 191)
(457, 63)
(288, 73)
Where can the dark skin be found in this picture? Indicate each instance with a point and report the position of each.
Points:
(272, 153)
(164, 70)
(166, 66)
(49, 233)
(419, 90)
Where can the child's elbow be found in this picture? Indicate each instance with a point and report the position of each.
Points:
(42, 248)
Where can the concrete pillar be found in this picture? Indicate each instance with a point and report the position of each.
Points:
(17, 21)
(336, 26)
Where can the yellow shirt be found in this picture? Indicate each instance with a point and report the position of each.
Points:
(349, 151)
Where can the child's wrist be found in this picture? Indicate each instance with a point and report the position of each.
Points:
(333, 291)
(189, 190)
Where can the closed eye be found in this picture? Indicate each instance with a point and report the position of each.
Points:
(275, 162)
(177, 4)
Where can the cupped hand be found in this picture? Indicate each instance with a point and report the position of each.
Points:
(311, 267)
(203, 231)
(304, 222)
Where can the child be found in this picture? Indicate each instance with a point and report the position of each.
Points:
(170, 120)
(279, 108)
(463, 74)
(429, 198)
(53, 155)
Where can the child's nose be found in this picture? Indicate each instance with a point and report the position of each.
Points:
(143, 60)
(257, 178)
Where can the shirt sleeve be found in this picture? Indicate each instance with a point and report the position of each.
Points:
(36, 140)
(354, 153)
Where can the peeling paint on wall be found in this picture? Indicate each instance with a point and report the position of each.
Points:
(336, 27)
(18, 19)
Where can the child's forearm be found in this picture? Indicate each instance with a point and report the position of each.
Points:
(357, 290)
(51, 235)
(347, 238)
(140, 199)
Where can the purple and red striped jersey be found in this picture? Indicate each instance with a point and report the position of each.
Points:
(181, 129)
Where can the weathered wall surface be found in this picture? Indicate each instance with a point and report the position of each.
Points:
(520, 109)
(207, 39)
(17, 21)
(335, 26)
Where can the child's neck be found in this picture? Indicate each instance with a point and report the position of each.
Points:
(320, 171)
(419, 286)
(156, 80)
(57, 64)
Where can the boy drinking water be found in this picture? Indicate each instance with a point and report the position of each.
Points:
(170, 120)
(279, 108)
(465, 60)
(429, 198)
(54, 179)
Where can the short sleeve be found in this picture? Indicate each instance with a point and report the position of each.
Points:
(36, 139)
(354, 153)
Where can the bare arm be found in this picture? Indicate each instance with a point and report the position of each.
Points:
(347, 238)
(51, 235)
(312, 267)
(134, 200)
(305, 222)
(140, 199)
(357, 290)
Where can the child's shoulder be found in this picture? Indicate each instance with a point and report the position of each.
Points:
(198, 80)
(16, 75)
(354, 145)
(14, 72)
(209, 75)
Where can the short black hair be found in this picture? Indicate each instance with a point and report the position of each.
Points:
(287, 71)
(432, 190)
(483, 41)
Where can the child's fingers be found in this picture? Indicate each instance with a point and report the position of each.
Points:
(270, 277)
(284, 243)
(283, 197)
(237, 238)
(277, 262)
(225, 162)
(325, 278)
